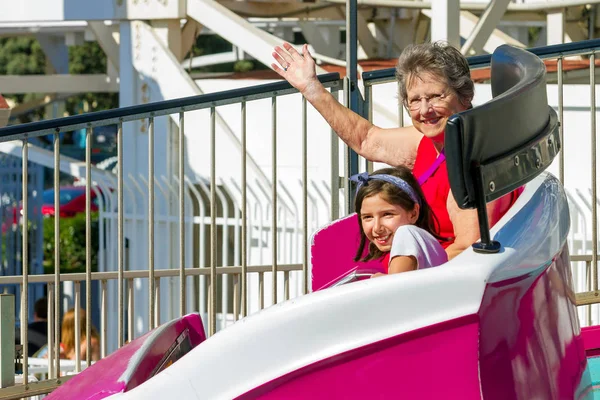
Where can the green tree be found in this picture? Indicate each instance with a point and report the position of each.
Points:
(72, 244)
(89, 58)
(22, 56)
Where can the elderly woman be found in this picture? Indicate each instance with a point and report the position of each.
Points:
(435, 83)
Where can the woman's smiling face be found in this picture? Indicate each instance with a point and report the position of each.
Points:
(431, 103)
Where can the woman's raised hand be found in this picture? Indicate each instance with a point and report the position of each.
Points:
(298, 69)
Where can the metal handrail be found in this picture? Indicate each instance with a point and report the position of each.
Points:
(143, 273)
(483, 61)
(156, 109)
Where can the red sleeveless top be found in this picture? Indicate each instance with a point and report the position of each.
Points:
(437, 187)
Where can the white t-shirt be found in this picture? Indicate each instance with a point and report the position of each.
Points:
(410, 240)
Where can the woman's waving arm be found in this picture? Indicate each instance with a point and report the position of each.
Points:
(397, 146)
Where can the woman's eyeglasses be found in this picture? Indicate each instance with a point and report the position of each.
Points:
(434, 100)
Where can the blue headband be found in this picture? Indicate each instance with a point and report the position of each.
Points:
(364, 177)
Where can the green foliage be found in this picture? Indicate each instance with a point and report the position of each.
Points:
(212, 44)
(533, 34)
(89, 58)
(21, 56)
(243, 66)
(24, 56)
(72, 244)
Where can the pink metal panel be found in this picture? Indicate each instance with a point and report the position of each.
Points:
(438, 361)
(332, 252)
(131, 365)
(531, 346)
(591, 340)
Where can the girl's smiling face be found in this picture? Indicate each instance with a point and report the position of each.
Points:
(380, 220)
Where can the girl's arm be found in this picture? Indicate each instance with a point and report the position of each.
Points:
(397, 146)
(402, 264)
(399, 264)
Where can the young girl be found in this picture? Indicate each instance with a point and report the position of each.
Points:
(396, 220)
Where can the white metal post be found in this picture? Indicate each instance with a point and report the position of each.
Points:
(445, 21)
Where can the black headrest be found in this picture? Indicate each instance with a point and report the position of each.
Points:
(510, 139)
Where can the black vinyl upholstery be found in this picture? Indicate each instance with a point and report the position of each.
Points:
(508, 140)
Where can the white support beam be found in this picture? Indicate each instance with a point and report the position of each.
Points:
(555, 27)
(367, 41)
(106, 39)
(154, 75)
(189, 32)
(210, 59)
(485, 26)
(60, 83)
(41, 28)
(56, 51)
(575, 32)
(403, 30)
(523, 7)
(169, 31)
(325, 39)
(235, 29)
(445, 20)
(468, 21)
(287, 9)
(467, 24)
(76, 10)
(283, 32)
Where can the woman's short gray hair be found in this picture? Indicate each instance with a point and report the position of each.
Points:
(438, 58)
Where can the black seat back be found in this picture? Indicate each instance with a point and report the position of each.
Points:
(499, 146)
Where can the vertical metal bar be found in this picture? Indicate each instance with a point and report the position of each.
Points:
(400, 108)
(50, 297)
(103, 318)
(335, 171)
(157, 304)
(151, 311)
(212, 318)
(25, 261)
(594, 191)
(244, 295)
(182, 279)
(286, 285)
(369, 105)
(88, 240)
(305, 194)
(236, 297)
(353, 94)
(7, 345)
(561, 159)
(588, 278)
(274, 195)
(57, 251)
(261, 290)
(130, 307)
(120, 237)
(78, 327)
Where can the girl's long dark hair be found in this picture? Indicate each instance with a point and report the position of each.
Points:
(393, 195)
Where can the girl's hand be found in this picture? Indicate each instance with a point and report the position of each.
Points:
(378, 275)
(298, 69)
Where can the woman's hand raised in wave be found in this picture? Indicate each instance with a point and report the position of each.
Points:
(298, 69)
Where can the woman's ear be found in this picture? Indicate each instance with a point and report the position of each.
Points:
(414, 214)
